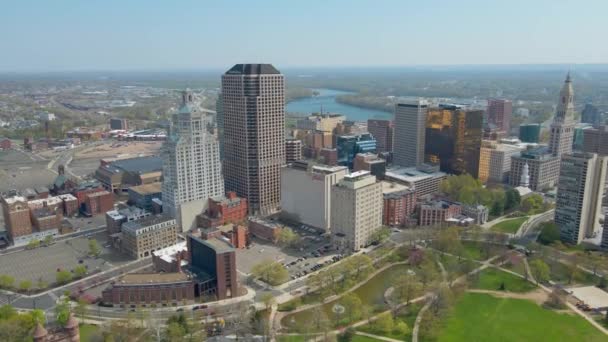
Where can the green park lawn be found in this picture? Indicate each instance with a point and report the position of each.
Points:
(87, 331)
(408, 315)
(291, 338)
(482, 317)
(491, 279)
(509, 226)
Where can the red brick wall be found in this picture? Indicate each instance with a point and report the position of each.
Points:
(227, 286)
(70, 207)
(99, 203)
(152, 293)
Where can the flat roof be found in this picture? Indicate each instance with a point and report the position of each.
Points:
(152, 278)
(133, 226)
(145, 189)
(391, 187)
(218, 244)
(168, 254)
(594, 297)
(136, 165)
(412, 174)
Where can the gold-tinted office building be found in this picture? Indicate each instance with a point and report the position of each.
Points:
(453, 139)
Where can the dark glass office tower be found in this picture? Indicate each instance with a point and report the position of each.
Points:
(453, 139)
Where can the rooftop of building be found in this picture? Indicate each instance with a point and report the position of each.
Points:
(127, 211)
(147, 189)
(135, 165)
(253, 69)
(99, 193)
(41, 213)
(67, 197)
(392, 187)
(413, 174)
(152, 278)
(48, 201)
(168, 254)
(88, 184)
(436, 203)
(133, 226)
(229, 199)
(354, 176)
(219, 245)
(539, 152)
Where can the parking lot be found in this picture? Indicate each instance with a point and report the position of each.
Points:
(314, 251)
(42, 263)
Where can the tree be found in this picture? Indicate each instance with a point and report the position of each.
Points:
(32, 244)
(62, 312)
(25, 285)
(80, 271)
(63, 277)
(406, 288)
(287, 237)
(380, 235)
(427, 272)
(352, 306)
(268, 299)
(81, 308)
(94, 249)
(540, 270)
(175, 332)
(497, 209)
(556, 300)
(415, 256)
(6, 281)
(532, 204)
(401, 328)
(512, 199)
(7, 312)
(270, 272)
(448, 240)
(48, 240)
(347, 336)
(384, 322)
(549, 233)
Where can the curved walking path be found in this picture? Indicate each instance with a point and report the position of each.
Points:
(279, 315)
(377, 337)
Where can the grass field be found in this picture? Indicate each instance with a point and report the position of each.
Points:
(359, 338)
(491, 279)
(481, 317)
(509, 226)
(87, 331)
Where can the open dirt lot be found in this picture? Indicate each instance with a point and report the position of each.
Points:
(86, 160)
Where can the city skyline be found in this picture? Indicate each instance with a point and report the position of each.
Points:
(186, 35)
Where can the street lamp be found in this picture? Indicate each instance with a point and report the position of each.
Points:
(338, 310)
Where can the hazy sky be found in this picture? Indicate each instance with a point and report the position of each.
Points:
(129, 34)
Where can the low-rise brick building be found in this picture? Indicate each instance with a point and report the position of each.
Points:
(264, 229)
(399, 203)
(142, 237)
(98, 202)
(145, 289)
(229, 209)
(437, 212)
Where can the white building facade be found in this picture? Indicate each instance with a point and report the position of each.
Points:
(191, 164)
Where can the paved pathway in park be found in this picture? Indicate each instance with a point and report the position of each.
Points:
(377, 337)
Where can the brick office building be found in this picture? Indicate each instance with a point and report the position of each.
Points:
(399, 202)
(161, 289)
(16, 216)
(229, 209)
(98, 203)
(436, 212)
(213, 266)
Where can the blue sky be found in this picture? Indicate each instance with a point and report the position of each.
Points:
(62, 35)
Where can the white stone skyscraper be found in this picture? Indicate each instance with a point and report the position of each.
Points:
(408, 140)
(562, 128)
(191, 163)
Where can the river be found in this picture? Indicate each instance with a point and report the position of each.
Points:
(327, 100)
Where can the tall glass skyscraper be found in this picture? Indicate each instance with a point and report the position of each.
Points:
(453, 139)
